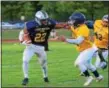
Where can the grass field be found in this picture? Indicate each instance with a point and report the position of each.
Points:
(61, 70)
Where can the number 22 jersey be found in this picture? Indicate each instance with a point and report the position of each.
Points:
(39, 34)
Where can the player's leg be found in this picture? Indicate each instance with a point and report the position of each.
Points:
(43, 61)
(80, 63)
(27, 55)
(103, 65)
(94, 71)
(99, 63)
(89, 55)
(105, 54)
(46, 46)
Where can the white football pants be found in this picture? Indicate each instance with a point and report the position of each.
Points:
(83, 61)
(97, 62)
(27, 56)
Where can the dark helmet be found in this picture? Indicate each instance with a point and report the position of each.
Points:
(77, 18)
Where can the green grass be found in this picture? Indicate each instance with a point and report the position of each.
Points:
(10, 34)
(61, 70)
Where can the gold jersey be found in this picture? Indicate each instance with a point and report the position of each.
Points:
(82, 31)
(101, 35)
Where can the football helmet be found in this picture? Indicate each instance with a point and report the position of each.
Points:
(77, 18)
(105, 18)
(41, 17)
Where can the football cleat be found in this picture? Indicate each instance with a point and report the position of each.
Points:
(25, 81)
(89, 80)
(98, 79)
(46, 79)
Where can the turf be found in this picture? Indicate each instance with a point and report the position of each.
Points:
(10, 34)
(61, 70)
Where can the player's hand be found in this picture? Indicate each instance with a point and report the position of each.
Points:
(26, 43)
(62, 38)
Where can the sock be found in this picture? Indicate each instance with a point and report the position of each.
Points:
(86, 73)
(101, 55)
(96, 74)
(25, 69)
(44, 70)
(43, 63)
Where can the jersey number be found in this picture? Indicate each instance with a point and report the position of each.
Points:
(40, 37)
(99, 36)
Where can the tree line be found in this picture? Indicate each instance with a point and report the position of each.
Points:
(59, 10)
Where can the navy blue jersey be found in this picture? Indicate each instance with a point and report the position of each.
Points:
(40, 34)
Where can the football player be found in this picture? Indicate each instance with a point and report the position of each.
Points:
(36, 34)
(80, 34)
(101, 41)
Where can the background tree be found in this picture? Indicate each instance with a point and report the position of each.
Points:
(59, 10)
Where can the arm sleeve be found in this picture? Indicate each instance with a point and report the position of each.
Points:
(53, 23)
(78, 40)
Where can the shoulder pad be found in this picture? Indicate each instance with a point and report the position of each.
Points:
(31, 24)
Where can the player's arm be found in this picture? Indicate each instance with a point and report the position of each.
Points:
(62, 25)
(59, 25)
(21, 36)
(24, 37)
(76, 41)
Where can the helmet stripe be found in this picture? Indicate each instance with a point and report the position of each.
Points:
(44, 14)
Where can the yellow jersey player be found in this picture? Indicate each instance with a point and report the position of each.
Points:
(81, 39)
(101, 40)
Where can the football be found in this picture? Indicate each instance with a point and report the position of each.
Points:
(24, 37)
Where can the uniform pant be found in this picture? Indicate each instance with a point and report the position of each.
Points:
(83, 61)
(97, 62)
(27, 56)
